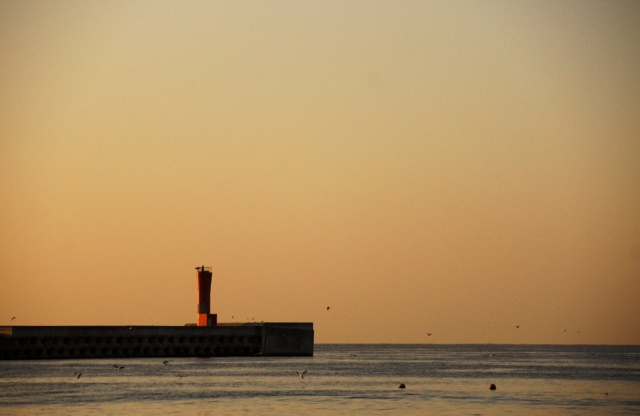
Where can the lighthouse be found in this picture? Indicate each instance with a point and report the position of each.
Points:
(205, 318)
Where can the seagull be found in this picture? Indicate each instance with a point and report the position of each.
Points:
(328, 307)
(301, 374)
(517, 326)
(118, 368)
(13, 318)
(77, 375)
(428, 334)
(165, 362)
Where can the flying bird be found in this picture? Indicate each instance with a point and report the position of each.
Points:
(328, 307)
(118, 368)
(517, 326)
(165, 362)
(301, 374)
(13, 318)
(77, 375)
(428, 334)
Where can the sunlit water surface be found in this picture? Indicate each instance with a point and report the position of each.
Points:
(341, 379)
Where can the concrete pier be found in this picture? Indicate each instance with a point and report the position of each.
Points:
(223, 340)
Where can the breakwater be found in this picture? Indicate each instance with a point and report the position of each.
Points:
(251, 339)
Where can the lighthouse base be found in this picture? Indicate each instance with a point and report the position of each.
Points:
(207, 319)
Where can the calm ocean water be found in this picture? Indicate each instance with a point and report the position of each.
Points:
(341, 379)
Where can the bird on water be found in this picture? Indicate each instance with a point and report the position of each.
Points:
(78, 375)
(301, 374)
(165, 362)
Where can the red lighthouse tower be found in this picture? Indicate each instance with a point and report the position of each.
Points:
(205, 318)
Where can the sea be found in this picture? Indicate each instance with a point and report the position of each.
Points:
(340, 379)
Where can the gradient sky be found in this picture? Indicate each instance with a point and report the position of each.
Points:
(450, 167)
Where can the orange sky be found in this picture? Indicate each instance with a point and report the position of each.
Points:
(457, 168)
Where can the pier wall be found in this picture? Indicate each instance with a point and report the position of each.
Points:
(60, 342)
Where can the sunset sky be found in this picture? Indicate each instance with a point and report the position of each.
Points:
(452, 167)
